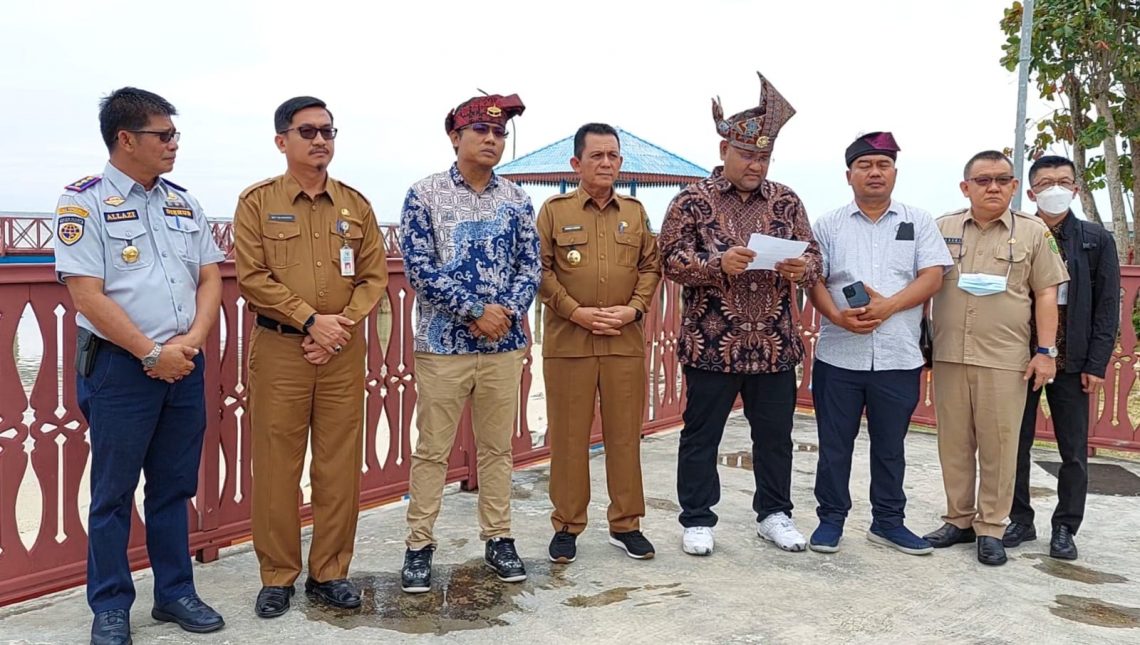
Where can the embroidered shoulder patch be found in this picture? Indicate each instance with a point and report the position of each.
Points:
(83, 184)
(69, 229)
(72, 210)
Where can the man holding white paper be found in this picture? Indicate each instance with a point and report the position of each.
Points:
(738, 336)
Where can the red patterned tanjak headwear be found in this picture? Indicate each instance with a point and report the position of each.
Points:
(484, 109)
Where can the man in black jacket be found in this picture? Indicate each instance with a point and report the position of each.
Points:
(1088, 318)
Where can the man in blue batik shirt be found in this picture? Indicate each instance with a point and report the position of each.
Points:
(471, 252)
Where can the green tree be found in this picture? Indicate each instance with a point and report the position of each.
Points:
(1085, 56)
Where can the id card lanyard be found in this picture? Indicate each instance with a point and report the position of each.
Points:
(347, 260)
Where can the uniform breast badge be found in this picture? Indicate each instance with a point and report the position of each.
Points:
(574, 257)
(131, 254)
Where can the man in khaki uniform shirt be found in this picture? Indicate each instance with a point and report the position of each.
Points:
(600, 270)
(1004, 262)
(311, 265)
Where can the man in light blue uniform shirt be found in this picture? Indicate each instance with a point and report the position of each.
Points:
(868, 356)
(141, 265)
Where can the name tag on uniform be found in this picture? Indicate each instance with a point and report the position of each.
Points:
(282, 217)
(120, 216)
(347, 262)
(953, 240)
(570, 229)
(178, 212)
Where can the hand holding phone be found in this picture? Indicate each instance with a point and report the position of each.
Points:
(856, 295)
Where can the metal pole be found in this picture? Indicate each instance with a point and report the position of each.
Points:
(1022, 86)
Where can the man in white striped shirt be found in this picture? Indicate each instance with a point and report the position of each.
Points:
(868, 356)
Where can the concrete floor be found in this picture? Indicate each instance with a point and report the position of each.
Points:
(746, 592)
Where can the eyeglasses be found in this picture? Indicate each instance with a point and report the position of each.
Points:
(1046, 184)
(310, 132)
(165, 136)
(984, 182)
(482, 129)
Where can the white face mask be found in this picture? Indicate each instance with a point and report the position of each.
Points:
(1055, 200)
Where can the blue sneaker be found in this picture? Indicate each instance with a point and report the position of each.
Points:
(899, 538)
(826, 538)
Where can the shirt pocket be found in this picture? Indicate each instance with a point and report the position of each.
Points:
(902, 261)
(1018, 271)
(571, 251)
(628, 249)
(183, 233)
(128, 240)
(281, 241)
(354, 237)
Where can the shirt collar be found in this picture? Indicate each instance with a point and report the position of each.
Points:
(852, 208)
(1006, 219)
(122, 183)
(458, 180)
(293, 189)
(723, 185)
(585, 200)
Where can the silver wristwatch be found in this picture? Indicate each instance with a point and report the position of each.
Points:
(151, 360)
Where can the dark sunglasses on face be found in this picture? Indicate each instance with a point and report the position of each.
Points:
(310, 132)
(165, 136)
(984, 182)
(482, 129)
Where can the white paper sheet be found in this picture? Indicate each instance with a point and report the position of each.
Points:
(770, 250)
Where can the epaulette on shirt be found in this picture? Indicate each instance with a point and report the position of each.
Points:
(554, 198)
(627, 197)
(83, 184)
(360, 194)
(173, 185)
(263, 182)
(960, 211)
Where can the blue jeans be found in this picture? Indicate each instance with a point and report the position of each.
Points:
(840, 396)
(139, 424)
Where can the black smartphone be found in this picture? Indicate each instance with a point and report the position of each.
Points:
(856, 295)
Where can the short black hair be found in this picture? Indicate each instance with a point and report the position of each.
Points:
(592, 128)
(283, 117)
(985, 155)
(1051, 161)
(129, 108)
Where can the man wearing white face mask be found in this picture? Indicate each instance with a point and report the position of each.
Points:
(1087, 322)
(1004, 262)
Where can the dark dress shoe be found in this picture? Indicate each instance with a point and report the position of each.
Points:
(338, 593)
(990, 551)
(111, 628)
(273, 601)
(191, 614)
(949, 535)
(1062, 546)
(1016, 533)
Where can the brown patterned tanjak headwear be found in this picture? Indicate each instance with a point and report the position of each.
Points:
(755, 129)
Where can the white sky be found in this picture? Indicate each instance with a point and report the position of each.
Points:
(928, 71)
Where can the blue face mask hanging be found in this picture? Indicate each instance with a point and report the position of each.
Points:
(985, 284)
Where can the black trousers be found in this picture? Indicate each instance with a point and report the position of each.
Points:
(769, 403)
(840, 396)
(1069, 405)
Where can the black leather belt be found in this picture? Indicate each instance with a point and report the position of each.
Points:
(269, 323)
(105, 344)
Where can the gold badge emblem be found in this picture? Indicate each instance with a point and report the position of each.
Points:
(131, 254)
(574, 257)
(762, 142)
(494, 111)
(114, 200)
(344, 211)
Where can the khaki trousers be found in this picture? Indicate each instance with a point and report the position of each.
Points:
(291, 403)
(573, 385)
(444, 384)
(979, 421)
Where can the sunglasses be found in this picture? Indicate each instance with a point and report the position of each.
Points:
(165, 136)
(983, 182)
(310, 132)
(482, 129)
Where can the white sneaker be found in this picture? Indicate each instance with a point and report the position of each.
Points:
(779, 529)
(698, 540)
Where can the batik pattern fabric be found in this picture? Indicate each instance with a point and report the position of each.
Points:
(463, 249)
(738, 324)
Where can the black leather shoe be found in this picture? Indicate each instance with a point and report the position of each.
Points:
(1016, 533)
(990, 551)
(415, 576)
(338, 593)
(191, 614)
(111, 627)
(273, 601)
(1061, 546)
(949, 535)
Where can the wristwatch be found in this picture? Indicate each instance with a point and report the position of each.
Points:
(637, 315)
(477, 311)
(1051, 352)
(309, 323)
(151, 360)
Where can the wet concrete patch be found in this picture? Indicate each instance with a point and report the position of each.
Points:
(1096, 612)
(1074, 572)
(621, 594)
(741, 459)
(463, 597)
(806, 447)
(530, 483)
(1104, 479)
(661, 504)
(1040, 491)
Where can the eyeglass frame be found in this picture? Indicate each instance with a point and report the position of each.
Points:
(328, 134)
(1046, 184)
(490, 128)
(165, 136)
(985, 181)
